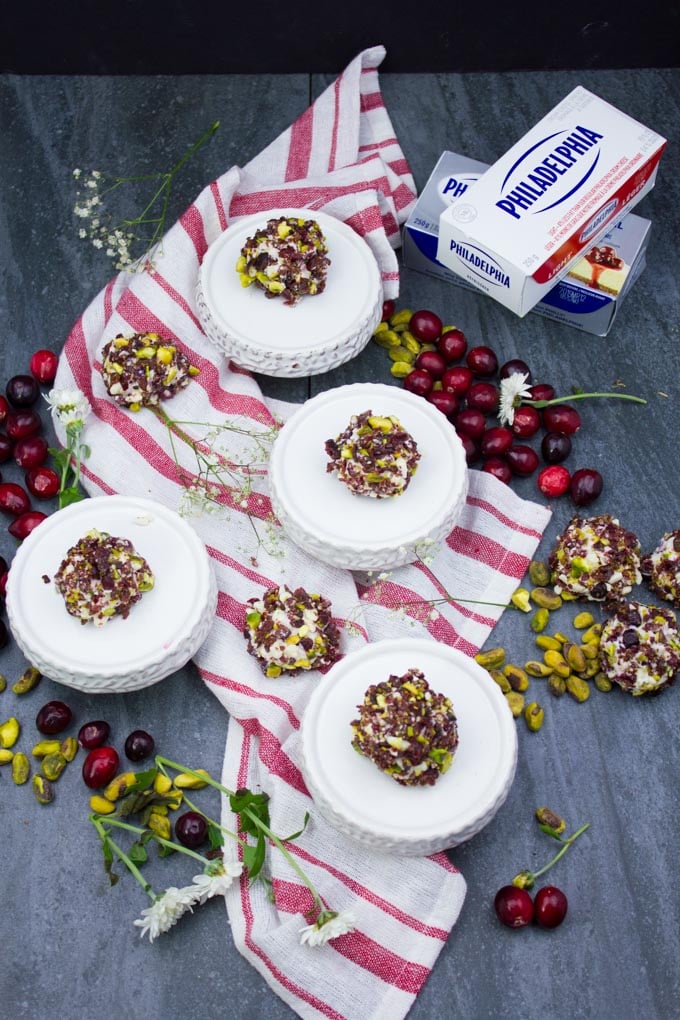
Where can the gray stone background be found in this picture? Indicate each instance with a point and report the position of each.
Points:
(70, 949)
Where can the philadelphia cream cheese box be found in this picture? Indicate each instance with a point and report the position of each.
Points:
(591, 293)
(518, 229)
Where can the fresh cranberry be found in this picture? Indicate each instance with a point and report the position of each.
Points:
(446, 402)
(452, 344)
(22, 422)
(457, 379)
(432, 362)
(139, 745)
(4, 409)
(483, 396)
(542, 391)
(470, 422)
(93, 734)
(30, 452)
(426, 326)
(100, 767)
(562, 418)
(515, 367)
(553, 481)
(585, 486)
(471, 448)
(3, 583)
(482, 361)
(22, 390)
(419, 381)
(550, 906)
(496, 441)
(42, 482)
(498, 468)
(6, 448)
(53, 717)
(388, 309)
(43, 366)
(191, 829)
(22, 526)
(13, 499)
(514, 907)
(523, 460)
(526, 422)
(555, 447)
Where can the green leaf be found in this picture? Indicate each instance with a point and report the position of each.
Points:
(253, 858)
(289, 839)
(143, 781)
(137, 853)
(70, 495)
(165, 851)
(256, 804)
(61, 457)
(85, 451)
(108, 862)
(215, 837)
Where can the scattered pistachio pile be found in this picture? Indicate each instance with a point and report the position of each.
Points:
(568, 664)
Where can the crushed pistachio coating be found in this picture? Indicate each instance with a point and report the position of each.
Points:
(408, 730)
(661, 568)
(374, 456)
(287, 258)
(102, 577)
(640, 648)
(595, 558)
(143, 369)
(288, 631)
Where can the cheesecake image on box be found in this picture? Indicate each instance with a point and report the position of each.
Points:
(602, 269)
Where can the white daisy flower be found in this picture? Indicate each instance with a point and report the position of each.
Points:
(327, 926)
(69, 407)
(165, 911)
(216, 880)
(514, 390)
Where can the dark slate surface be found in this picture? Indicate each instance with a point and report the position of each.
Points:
(69, 946)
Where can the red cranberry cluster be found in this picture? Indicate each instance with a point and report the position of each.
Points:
(22, 443)
(463, 383)
(516, 909)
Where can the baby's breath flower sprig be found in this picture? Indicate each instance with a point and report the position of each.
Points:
(515, 391)
(117, 238)
(70, 409)
(218, 873)
(224, 477)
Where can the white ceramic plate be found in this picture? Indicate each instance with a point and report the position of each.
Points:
(164, 629)
(364, 803)
(317, 334)
(322, 516)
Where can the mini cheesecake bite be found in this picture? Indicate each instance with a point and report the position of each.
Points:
(102, 577)
(640, 648)
(143, 369)
(289, 631)
(288, 258)
(661, 568)
(408, 730)
(374, 456)
(596, 559)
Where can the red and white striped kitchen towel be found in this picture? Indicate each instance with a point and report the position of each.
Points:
(340, 156)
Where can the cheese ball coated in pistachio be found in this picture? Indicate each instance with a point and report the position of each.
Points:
(101, 577)
(143, 369)
(662, 568)
(408, 730)
(287, 258)
(640, 648)
(595, 558)
(288, 631)
(374, 456)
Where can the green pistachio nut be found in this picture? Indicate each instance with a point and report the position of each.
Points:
(539, 574)
(21, 768)
(9, 732)
(29, 679)
(546, 598)
(533, 716)
(42, 788)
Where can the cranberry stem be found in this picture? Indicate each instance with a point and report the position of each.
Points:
(526, 879)
(581, 396)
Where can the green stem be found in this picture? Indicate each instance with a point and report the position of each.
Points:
(120, 853)
(159, 839)
(582, 396)
(563, 849)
